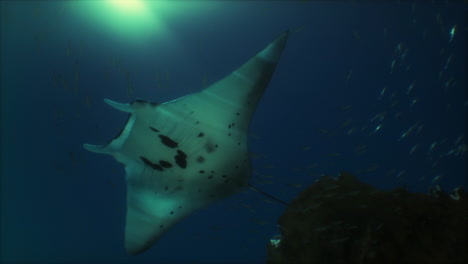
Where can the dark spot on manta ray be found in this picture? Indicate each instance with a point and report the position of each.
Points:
(202, 171)
(229, 126)
(181, 162)
(172, 212)
(165, 188)
(154, 129)
(180, 207)
(197, 123)
(161, 226)
(229, 134)
(200, 159)
(201, 134)
(181, 153)
(165, 164)
(216, 145)
(212, 172)
(151, 164)
(180, 159)
(168, 141)
(224, 176)
(237, 113)
(226, 181)
(210, 177)
(209, 147)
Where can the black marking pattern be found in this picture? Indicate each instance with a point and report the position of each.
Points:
(151, 164)
(165, 164)
(168, 141)
(181, 159)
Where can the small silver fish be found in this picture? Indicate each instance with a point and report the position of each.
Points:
(432, 147)
(436, 178)
(448, 62)
(378, 128)
(410, 88)
(414, 149)
(382, 92)
(452, 32)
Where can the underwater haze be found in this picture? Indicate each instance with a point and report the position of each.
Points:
(375, 89)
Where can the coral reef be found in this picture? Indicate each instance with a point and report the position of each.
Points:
(342, 220)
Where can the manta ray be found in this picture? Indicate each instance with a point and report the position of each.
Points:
(185, 154)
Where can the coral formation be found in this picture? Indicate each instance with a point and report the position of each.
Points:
(343, 220)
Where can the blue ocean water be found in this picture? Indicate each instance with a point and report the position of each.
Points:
(375, 89)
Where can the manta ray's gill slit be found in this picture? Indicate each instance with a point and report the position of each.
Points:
(154, 129)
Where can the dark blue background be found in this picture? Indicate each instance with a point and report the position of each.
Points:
(60, 203)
